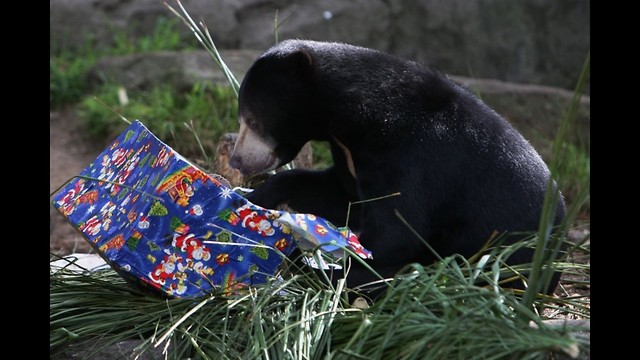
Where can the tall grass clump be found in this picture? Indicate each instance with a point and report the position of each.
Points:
(431, 312)
(550, 239)
(574, 175)
(207, 110)
(452, 309)
(67, 77)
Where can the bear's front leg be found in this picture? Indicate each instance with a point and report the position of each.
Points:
(322, 193)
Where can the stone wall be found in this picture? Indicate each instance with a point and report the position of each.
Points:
(534, 41)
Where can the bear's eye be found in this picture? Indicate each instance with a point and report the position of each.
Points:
(251, 122)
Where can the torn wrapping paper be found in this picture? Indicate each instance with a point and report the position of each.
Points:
(167, 226)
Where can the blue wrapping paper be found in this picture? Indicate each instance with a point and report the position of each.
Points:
(165, 225)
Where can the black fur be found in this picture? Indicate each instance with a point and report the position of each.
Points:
(462, 170)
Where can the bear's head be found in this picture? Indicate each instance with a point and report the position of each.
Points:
(275, 109)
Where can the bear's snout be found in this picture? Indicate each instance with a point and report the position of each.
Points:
(252, 153)
(235, 161)
(252, 162)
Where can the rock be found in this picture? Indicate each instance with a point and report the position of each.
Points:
(95, 23)
(360, 22)
(538, 42)
(180, 69)
(535, 110)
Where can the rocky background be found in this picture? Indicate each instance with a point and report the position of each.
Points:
(533, 41)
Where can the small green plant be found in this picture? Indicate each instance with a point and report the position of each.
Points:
(165, 36)
(206, 110)
(574, 171)
(69, 68)
(67, 77)
(321, 155)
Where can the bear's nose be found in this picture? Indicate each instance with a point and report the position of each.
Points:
(235, 161)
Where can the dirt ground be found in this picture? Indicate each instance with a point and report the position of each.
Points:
(69, 153)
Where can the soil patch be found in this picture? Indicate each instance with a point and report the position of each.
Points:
(69, 152)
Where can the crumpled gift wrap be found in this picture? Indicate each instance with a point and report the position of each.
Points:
(167, 226)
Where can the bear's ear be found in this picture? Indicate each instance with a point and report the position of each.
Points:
(302, 60)
(307, 57)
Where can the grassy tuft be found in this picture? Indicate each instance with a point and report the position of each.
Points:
(69, 68)
(211, 110)
(165, 36)
(574, 173)
(437, 312)
(67, 77)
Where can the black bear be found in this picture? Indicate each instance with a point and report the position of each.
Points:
(394, 126)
